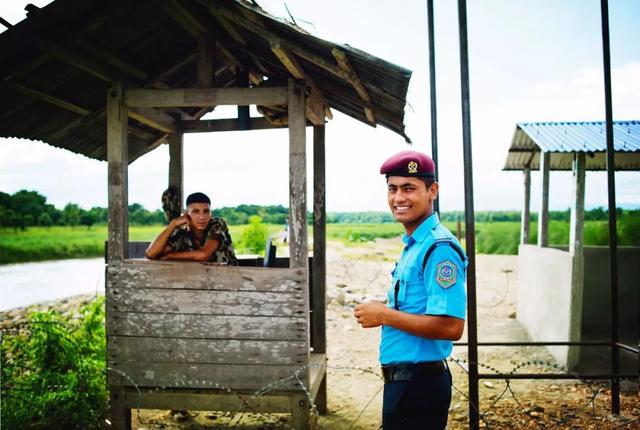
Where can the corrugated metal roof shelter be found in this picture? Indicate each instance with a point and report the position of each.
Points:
(58, 63)
(563, 139)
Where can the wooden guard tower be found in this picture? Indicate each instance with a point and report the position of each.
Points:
(196, 336)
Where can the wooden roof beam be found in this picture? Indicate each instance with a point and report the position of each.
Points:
(345, 64)
(70, 57)
(153, 118)
(189, 22)
(111, 59)
(315, 105)
(41, 95)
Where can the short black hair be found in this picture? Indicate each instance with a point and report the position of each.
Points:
(198, 198)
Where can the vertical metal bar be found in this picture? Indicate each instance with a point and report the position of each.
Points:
(472, 333)
(432, 95)
(613, 239)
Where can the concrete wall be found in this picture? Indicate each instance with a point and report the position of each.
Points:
(544, 292)
(596, 311)
(544, 296)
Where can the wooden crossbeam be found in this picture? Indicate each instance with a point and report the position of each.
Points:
(345, 64)
(227, 124)
(153, 118)
(198, 97)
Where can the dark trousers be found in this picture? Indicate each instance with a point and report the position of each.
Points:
(422, 403)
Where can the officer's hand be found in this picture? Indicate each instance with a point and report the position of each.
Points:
(370, 314)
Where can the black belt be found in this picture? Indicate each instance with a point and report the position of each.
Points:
(407, 372)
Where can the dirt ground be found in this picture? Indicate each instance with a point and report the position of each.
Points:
(361, 273)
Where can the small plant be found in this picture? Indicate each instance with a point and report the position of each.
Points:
(53, 375)
(254, 238)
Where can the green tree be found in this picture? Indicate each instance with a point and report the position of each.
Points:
(45, 220)
(71, 213)
(254, 238)
(87, 219)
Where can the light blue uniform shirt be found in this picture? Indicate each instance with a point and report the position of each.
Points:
(439, 289)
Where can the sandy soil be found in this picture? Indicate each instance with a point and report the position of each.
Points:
(361, 273)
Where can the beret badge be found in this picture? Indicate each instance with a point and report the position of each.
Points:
(412, 167)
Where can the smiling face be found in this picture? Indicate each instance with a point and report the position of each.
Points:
(200, 214)
(410, 201)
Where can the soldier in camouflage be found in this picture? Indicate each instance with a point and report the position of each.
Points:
(194, 236)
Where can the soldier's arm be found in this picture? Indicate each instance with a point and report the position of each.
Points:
(202, 254)
(158, 247)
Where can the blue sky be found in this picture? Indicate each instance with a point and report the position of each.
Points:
(529, 61)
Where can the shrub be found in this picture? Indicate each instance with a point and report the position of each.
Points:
(254, 238)
(53, 376)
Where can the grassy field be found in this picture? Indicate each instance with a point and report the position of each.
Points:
(52, 243)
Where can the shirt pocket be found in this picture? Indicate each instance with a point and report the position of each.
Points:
(410, 279)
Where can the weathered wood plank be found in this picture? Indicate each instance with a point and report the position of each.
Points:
(206, 302)
(319, 271)
(196, 97)
(207, 326)
(226, 124)
(180, 275)
(154, 118)
(213, 376)
(297, 176)
(118, 165)
(205, 400)
(163, 350)
(176, 164)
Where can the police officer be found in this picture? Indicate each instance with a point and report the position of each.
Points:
(426, 304)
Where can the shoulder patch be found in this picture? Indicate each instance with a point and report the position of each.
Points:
(446, 274)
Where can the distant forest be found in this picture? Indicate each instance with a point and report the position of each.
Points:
(29, 208)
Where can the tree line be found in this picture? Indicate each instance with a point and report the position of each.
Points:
(29, 208)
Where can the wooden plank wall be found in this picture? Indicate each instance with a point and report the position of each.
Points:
(193, 325)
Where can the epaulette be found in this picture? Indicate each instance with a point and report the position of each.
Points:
(447, 241)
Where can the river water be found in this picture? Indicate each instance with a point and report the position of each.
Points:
(27, 283)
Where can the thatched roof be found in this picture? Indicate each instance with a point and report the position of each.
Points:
(59, 62)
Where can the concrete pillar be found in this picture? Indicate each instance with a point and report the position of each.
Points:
(526, 215)
(543, 217)
(576, 245)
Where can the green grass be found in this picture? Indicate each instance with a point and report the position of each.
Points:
(42, 243)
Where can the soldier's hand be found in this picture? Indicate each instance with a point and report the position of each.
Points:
(370, 314)
(182, 221)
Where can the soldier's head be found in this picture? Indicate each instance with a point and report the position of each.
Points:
(199, 210)
(411, 187)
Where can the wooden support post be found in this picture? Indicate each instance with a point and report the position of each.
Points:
(299, 411)
(118, 164)
(244, 115)
(576, 246)
(176, 164)
(120, 414)
(526, 214)
(206, 48)
(543, 217)
(297, 177)
(319, 242)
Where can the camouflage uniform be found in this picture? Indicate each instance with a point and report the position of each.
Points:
(184, 240)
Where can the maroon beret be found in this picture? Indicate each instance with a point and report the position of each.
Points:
(409, 163)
